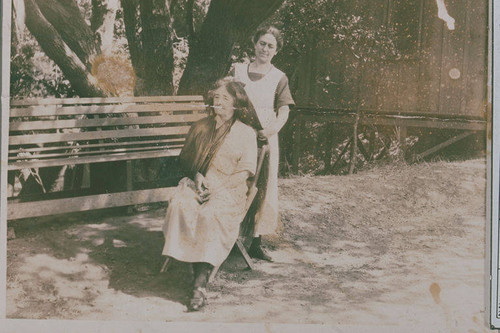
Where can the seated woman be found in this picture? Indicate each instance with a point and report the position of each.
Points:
(204, 214)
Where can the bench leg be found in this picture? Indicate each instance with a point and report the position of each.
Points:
(165, 265)
(130, 209)
(245, 254)
(241, 248)
(213, 273)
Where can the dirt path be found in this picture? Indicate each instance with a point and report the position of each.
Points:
(389, 246)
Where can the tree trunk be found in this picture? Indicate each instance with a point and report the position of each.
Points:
(149, 34)
(55, 47)
(102, 22)
(157, 47)
(227, 22)
(65, 17)
(130, 9)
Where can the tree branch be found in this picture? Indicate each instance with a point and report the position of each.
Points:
(130, 8)
(54, 46)
(156, 36)
(103, 22)
(227, 22)
(65, 17)
(190, 18)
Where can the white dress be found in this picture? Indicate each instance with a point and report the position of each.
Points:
(207, 232)
(261, 94)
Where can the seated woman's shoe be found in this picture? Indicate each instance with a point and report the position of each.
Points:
(198, 300)
(257, 252)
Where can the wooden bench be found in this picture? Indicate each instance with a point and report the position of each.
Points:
(58, 132)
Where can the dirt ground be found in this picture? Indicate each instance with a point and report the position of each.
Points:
(394, 245)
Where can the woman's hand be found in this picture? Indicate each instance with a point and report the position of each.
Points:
(275, 126)
(201, 188)
(198, 182)
(265, 134)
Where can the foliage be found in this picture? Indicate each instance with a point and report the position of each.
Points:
(309, 24)
(32, 74)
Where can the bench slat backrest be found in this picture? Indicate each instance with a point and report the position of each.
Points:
(50, 132)
(104, 100)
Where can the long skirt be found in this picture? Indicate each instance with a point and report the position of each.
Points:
(266, 217)
(201, 232)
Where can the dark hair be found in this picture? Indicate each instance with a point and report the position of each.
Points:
(236, 89)
(269, 30)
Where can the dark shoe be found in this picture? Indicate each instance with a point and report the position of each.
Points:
(257, 252)
(198, 300)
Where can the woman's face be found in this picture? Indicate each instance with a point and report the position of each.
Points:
(223, 104)
(266, 48)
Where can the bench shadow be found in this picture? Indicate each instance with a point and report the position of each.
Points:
(132, 256)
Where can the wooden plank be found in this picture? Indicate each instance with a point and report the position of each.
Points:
(130, 181)
(427, 123)
(408, 87)
(214, 272)
(451, 91)
(388, 89)
(99, 145)
(352, 162)
(166, 264)
(244, 253)
(396, 120)
(335, 118)
(476, 59)
(370, 80)
(47, 111)
(342, 153)
(17, 210)
(429, 82)
(299, 123)
(95, 135)
(94, 152)
(103, 100)
(103, 122)
(403, 134)
(93, 159)
(442, 145)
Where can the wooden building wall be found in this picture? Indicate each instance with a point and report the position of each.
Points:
(419, 82)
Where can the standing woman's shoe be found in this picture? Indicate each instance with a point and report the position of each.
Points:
(256, 251)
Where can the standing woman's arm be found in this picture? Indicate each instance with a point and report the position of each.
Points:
(277, 124)
(283, 100)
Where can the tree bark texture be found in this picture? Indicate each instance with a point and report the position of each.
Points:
(149, 35)
(55, 46)
(65, 17)
(102, 22)
(227, 22)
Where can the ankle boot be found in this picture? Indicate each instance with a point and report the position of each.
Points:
(256, 251)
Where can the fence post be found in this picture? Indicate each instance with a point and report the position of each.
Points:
(297, 142)
(354, 146)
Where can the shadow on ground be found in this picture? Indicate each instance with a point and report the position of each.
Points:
(124, 250)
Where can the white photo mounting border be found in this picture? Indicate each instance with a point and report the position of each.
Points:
(492, 263)
(6, 6)
(494, 169)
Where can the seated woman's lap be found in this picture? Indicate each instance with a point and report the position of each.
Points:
(204, 232)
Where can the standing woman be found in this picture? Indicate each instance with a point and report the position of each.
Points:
(268, 90)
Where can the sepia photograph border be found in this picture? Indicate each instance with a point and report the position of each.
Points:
(491, 241)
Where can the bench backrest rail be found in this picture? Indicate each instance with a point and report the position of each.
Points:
(55, 132)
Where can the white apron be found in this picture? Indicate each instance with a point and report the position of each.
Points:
(261, 94)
